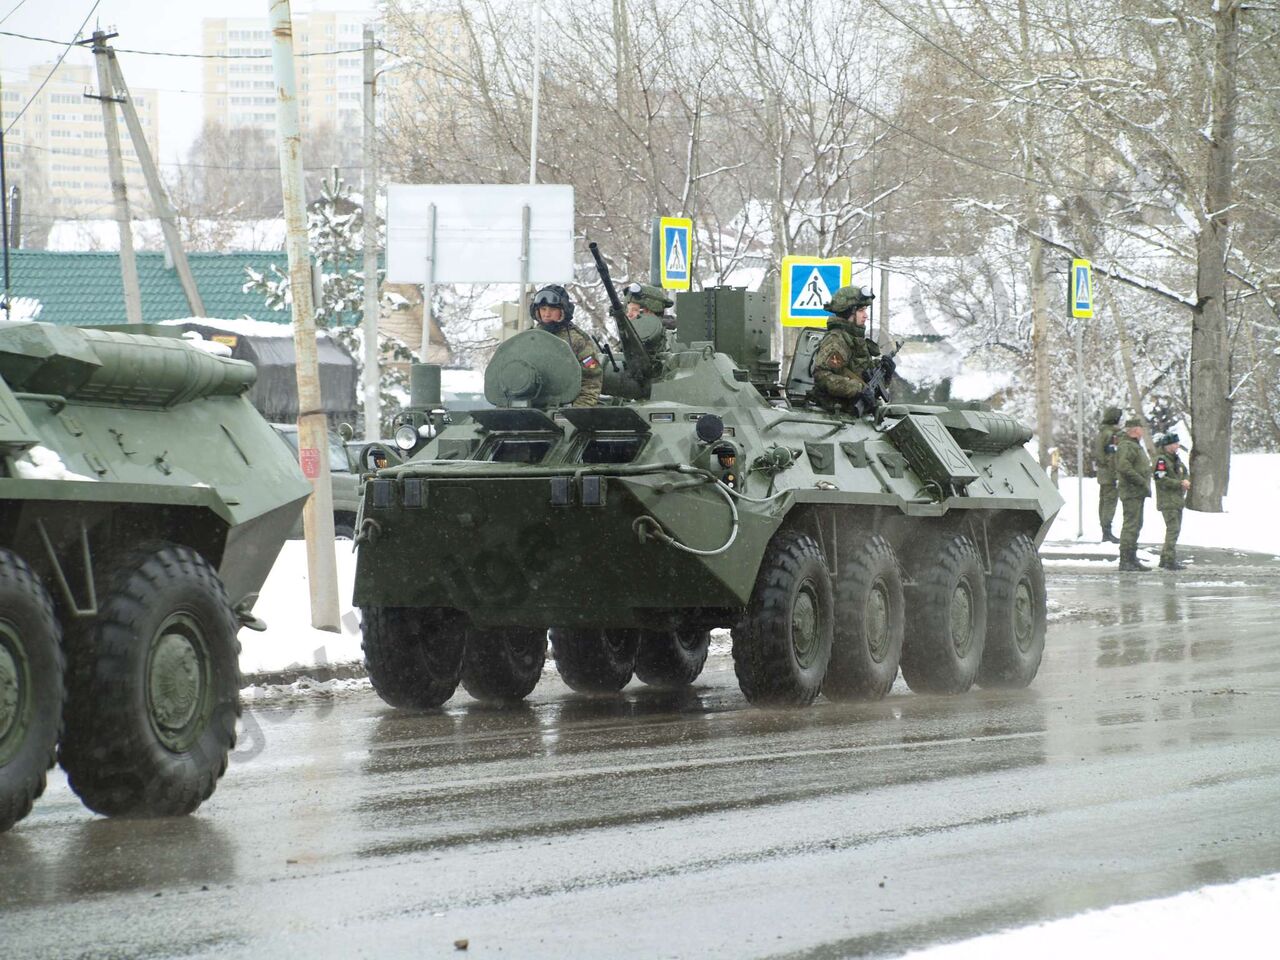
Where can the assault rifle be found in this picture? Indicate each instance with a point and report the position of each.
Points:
(875, 391)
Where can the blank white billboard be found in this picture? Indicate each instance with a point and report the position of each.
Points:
(478, 231)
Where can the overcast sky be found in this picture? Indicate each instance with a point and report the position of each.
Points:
(168, 25)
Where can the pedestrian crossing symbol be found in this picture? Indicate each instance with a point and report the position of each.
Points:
(676, 237)
(807, 284)
(1081, 289)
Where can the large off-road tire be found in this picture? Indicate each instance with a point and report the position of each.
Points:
(503, 665)
(413, 654)
(671, 658)
(867, 644)
(946, 620)
(781, 649)
(595, 661)
(153, 688)
(1016, 616)
(31, 692)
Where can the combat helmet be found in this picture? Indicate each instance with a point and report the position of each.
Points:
(653, 299)
(1111, 415)
(552, 295)
(848, 299)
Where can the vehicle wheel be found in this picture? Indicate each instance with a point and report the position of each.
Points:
(867, 643)
(503, 665)
(671, 658)
(153, 688)
(344, 528)
(31, 692)
(946, 621)
(595, 661)
(413, 654)
(781, 649)
(1016, 616)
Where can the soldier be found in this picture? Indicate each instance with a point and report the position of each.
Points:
(641, 298)
(553, 311)
(846, 356)
(1172, 483)
(1134, 472)
(1105, 451)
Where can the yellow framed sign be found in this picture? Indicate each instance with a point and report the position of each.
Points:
(1081, 288)
(807, 284)
(675, 252)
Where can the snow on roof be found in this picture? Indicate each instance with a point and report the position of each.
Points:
(24, 308)
(244, 326)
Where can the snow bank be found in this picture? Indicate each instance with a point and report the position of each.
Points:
(1232, 920)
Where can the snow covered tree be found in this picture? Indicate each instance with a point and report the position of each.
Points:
(335, 224)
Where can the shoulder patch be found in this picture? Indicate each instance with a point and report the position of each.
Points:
(836, 361)
(590, 362)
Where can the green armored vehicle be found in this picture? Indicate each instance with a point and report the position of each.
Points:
(702, 493)
(143, 502)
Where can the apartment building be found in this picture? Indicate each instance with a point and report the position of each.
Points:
(239, 89)
(57, 152)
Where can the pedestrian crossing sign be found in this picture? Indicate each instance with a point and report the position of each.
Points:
(675, 254)
(808, 283)
(1081, 288)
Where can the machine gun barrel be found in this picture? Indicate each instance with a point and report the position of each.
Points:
(636, 360)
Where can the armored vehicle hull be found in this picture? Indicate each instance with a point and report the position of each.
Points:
(839, 549)
(142, 504)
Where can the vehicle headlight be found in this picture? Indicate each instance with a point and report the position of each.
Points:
(406, 436)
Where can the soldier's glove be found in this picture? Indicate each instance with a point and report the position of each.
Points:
(864, 402)
(888, 366)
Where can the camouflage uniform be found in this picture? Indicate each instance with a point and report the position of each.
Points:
(842, 363)
(1104, 450)
(1169, 473)
(584, 349)
(1134, 471)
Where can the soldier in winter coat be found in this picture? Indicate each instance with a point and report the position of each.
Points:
(552, 309)
(1133, 469)
(845, 358)
(1172, 483)
(1104, 452)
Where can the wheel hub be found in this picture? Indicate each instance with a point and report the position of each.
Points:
(176, 683)
(804, 624)
(876, 622)
(962, 618)
(12, 677)
(1024, 618)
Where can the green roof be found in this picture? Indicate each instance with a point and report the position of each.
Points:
(86, 288)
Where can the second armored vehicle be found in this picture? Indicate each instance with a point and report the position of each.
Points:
(703, 494)
(143, 502)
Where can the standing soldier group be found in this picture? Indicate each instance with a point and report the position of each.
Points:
(1125, 473)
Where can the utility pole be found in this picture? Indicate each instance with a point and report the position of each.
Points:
(159, 199)
(313, 427)
(115, 167)
(372, 384)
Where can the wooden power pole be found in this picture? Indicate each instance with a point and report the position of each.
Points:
(313, 426)
(159, 199)
(372, 381)
(115, 167)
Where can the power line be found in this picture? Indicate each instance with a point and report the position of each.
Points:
(14, 10)
(198, 56)
(325, 167)
(61, 57)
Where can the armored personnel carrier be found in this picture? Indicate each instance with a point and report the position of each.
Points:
(702, 493)
(142, 503)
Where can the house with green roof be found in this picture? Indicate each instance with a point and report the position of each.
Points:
(85, 288)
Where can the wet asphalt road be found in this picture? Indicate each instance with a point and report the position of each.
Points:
(1144, 761)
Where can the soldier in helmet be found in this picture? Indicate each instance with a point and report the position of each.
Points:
(1105, 451)
(1172, 484)
(846, 356)
(552, 309)
(641, 298)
